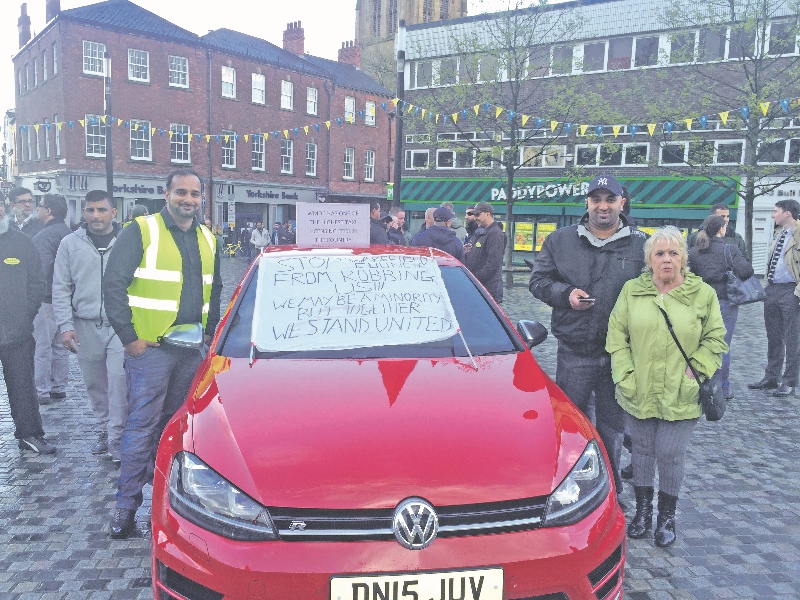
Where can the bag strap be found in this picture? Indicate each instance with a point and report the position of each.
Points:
(725, 254)
(674, 337)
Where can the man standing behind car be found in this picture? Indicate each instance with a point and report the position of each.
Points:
(580, 272)
(78, 308)
(485, 257)
(21, 293)
(259, 238)
(163, 271)
(440, 235)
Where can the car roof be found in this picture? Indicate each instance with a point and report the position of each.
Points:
(442, 258)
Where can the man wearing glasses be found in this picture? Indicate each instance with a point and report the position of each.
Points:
(22, 202)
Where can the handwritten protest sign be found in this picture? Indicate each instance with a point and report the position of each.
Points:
(332, 225)
(335, 302)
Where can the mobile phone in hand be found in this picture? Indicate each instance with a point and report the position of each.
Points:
(586, 300)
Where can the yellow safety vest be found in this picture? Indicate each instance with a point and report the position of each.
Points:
(155, 293)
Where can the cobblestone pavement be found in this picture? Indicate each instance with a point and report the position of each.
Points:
(738, 517)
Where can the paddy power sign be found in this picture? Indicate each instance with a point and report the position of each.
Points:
(536, 191)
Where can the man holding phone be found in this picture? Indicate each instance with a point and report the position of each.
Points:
(580, 272)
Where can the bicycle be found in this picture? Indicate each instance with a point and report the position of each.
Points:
(230, 250)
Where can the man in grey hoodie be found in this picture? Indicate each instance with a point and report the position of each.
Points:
(85, 330)
(455, 223)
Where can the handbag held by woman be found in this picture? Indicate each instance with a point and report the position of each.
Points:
(711, 397)
(741, 291)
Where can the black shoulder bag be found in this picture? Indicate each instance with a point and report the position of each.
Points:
(741, 291)
(711, 397)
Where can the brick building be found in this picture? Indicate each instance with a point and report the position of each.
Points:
(259, 122)
(631, 61)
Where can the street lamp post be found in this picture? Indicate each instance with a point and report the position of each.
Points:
(398, 136)
(108, 128)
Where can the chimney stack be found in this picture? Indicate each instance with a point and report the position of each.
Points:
(24, 26)
(294, 38)
(350, 53)
(52, 8)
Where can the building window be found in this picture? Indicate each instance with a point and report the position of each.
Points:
(27, 77)
(607, 155)
(782, 38)
(228, 82)
(729, 153)
(95, 136)
(369, 165)
(594, 57)
(140, 140)
(311, 159)
(258, 152)
(35, 72)
(646, 51)
(55, 59)
(178, 71)
(369, 113)
(712, 44)
(287, 95)
(287, 147)
(682, 47)
(19, 82)
(44, 67)
(675, 153)
(38, 150)
(229, 149)
(138, 65)
(30, 150)
(416, 159)
(562, 60)
(619, 53)
(179, 143)
(349, 163)
(543, 157)
(47, 138)
(311, 100)
(57, 135)
(742, 43)
(349, 109)
(93, 63)
(259, 89)
(539, 61)
(421, 74)
(452, 159)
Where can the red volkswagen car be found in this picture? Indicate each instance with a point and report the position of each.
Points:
(311, 461)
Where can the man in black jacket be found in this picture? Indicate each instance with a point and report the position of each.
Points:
(52, 358)
(440, 235)
(485, 257)
(580, 272)
(21, 292)
(377, 224)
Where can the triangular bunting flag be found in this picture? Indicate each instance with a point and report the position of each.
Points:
(245, 138)
(464, 113)
(583, 129)
(599, 130)
(423, 113)
(524, 119)
(36, 127)
(553, 125)
(57, 125)
(208, 138)
(616, 129)
(119, 122)
(539, 122)
(745, 110)
(305, 129)
(724, 117)
(486, 107)
(634, 129)
(395, 101)
(455, 117)
(651, 128)
(316, 126)
(785, 105)
(71, 124)
(276, 134)
(765, 107)
(103, 119)
(328, 124)
(476, 108)
(81, 121)
(703, 122)
(227, 137)
(417, 110)
(286, 134)
(497, 111)
(216, 138)
(339, 121)
(160, 133)
(437, 118)
(171, 133)
(266, 136)
(383, 106)
(410, 108)
(511, 115)
(567, 128)
(667, 126)
(688, 124)
(296, 131)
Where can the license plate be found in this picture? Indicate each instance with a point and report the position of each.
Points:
(481, 584)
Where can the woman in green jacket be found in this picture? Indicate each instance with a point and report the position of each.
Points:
(654, 384)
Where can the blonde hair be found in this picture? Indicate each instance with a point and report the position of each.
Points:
(671, 235)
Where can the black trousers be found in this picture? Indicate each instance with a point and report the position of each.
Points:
(782, 320)
(17, 361)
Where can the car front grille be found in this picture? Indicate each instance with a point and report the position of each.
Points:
(606, 576)
(305, 524)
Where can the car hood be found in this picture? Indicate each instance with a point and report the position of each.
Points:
(370, 433)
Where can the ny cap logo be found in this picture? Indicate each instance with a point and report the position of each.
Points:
(602, 181)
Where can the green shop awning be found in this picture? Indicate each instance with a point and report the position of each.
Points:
(543, 196)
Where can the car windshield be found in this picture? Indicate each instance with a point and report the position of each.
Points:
(484, 331)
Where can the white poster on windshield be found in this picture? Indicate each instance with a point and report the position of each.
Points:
(338, 302)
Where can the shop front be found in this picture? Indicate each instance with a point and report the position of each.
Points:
(544, 205)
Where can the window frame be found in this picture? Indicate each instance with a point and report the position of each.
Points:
(256, 77)
(145, 139)
(57, 136)
(257, 149)
(369, 165)
(228, 75)
(100, 49)
(370, 122)
(46, 139)
(35, 72)
(44, 66)
(408, 162)
(174, 60)
(349, 160)
(350, 109)
(311, 159)
(101, 127)
(540, 159)
(792, 27)
(312, 105)
(287, 157)
(175, 143)
(623, 149)
(287, 95)
(55, 59)
(132, 65)
(728, 142)
(228, 149)
(662, 147)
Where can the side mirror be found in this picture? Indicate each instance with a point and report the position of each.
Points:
(533, 332)
(189, 335)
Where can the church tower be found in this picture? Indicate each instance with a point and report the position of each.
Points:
(376, 20)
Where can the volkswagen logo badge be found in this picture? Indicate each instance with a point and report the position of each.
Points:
(415, 524)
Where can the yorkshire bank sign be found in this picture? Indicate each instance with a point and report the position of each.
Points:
(537, 191)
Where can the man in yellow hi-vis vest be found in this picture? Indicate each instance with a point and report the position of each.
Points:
(163, 271)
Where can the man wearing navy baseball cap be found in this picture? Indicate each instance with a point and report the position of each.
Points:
(580, 272)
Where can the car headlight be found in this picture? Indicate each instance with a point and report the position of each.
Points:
(583, 490)
(202, 496)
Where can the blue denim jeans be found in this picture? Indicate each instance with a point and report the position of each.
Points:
(579, 376)
(158, 381)
(730, 312)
